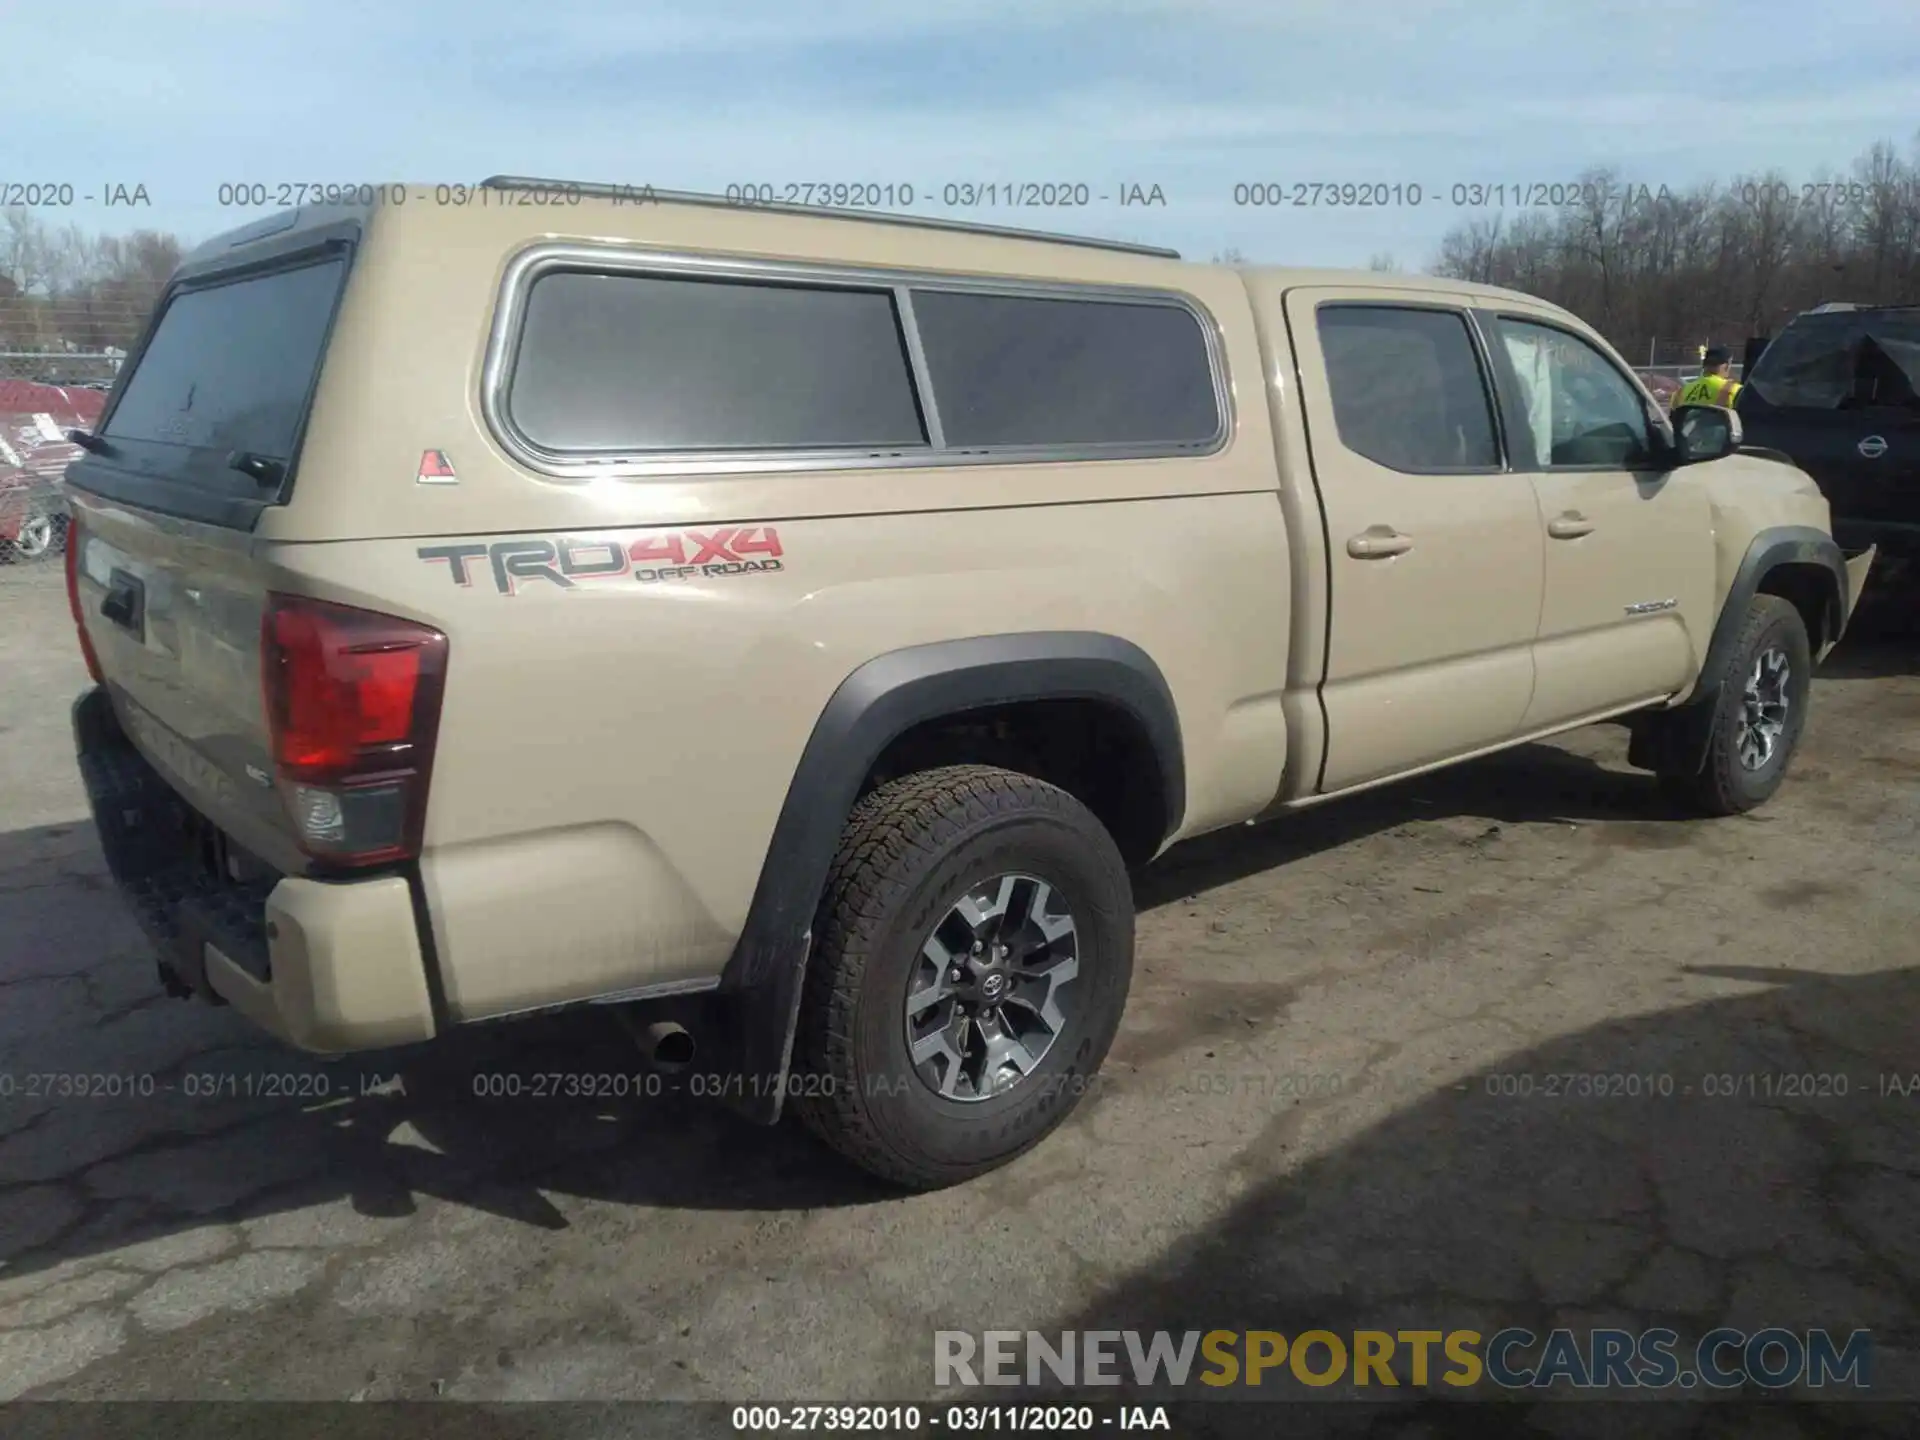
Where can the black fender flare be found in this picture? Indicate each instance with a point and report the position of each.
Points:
(1770, 549)
(1687, 730)
(755, 1008)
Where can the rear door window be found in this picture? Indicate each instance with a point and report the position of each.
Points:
(230, 367)
(1407, 388)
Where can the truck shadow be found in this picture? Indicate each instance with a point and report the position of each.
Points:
(1760, 1172)
(1883, 638)
(1539, 783)
(1529, 784)
(127, 1117)
(1876, 652)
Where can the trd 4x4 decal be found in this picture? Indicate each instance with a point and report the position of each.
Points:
(566, 560)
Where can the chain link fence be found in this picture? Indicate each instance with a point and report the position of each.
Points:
(43, 394)
(33, 529)
(1666, 381)
(1673, 364)
(74, 369)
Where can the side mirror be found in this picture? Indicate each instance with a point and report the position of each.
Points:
(1704, 432)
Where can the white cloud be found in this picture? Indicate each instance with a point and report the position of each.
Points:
(1191, 94)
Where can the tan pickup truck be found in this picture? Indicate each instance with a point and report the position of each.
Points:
(528, 595)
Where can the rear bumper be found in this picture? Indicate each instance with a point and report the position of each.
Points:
(328, 966)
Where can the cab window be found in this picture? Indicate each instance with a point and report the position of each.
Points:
(1580, 410)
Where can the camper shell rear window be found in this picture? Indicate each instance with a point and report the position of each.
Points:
(207, 419)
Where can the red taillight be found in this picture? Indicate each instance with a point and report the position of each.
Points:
(343, 686)
(73, 601)
(353, 705)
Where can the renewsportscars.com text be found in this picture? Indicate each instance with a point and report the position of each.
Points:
(1510, 1359)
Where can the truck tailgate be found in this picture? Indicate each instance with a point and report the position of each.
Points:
(200, 436)
(173, 613)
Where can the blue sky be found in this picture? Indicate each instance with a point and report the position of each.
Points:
(1192, 95)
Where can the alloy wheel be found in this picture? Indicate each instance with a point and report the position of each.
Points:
(1763, 709)
(991, 990)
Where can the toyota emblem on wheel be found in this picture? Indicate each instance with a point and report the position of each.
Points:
(991, 991)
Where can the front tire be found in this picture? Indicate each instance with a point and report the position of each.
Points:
(1758, 714)
(972, 955)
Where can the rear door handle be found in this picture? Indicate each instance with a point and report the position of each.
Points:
(1570, 526)
(1378, 542)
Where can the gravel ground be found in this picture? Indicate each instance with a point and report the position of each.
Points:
(1330, 1106)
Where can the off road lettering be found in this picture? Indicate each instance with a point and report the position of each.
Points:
(688, 572)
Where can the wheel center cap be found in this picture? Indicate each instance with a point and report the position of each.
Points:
(992, 986)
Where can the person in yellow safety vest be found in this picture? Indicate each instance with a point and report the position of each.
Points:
(1715, 386)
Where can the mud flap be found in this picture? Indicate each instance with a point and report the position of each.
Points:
(185, 963)
(748, 1037)
(1673, 742)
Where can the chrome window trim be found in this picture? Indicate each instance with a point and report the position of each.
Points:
(539, 259)
(921, 374)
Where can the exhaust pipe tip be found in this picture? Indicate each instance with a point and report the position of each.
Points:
(668, 1046)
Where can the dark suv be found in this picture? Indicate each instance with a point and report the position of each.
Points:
(1838, 390)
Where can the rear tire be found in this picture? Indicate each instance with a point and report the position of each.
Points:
(969, 892)
(1759, 713)
(40, 536)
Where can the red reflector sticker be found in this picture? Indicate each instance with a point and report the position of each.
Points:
(436, 469)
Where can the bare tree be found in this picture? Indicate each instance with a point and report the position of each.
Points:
(1877, 231)
(1470, 251)
(68, 290)
(1763, 239)
(24, 248)
(1710, 263)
